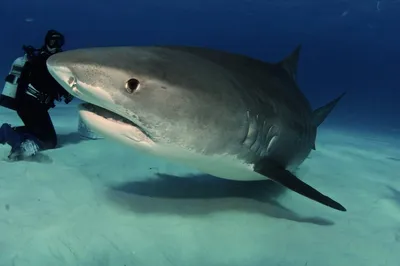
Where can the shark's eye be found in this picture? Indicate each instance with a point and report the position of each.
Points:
(132, 85)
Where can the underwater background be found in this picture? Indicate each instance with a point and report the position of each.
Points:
(347, 45)
(75, 209)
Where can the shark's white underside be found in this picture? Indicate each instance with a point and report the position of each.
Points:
(224, 166)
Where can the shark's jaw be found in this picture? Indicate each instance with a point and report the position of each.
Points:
(111, 125)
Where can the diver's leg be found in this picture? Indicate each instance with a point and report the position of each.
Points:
(22, 145)
(10, 136)
(38, 123)
(21, 129)
(44, 130)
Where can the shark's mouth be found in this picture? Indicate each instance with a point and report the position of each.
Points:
(111, 124)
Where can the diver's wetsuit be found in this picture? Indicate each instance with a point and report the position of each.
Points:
(32, 105)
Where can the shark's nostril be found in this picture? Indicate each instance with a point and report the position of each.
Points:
(71, 81)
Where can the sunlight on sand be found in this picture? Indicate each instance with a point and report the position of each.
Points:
(94, 202)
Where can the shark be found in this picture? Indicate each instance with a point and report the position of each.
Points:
(226, 114)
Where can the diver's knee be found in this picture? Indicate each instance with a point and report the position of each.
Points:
(5, 126)
(6, 129)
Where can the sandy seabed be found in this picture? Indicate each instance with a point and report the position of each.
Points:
(95, 202)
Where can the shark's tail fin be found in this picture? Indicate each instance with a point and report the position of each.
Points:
(321, 113)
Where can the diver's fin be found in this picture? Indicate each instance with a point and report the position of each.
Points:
(321, 113)
(284, 177)
(289, 64)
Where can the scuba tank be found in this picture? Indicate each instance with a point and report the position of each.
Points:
(7, 97)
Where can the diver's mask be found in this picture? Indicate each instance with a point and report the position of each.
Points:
(54, 41)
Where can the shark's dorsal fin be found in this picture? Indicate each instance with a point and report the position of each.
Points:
(289, 64)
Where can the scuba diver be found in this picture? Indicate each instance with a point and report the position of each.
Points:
(30, 90)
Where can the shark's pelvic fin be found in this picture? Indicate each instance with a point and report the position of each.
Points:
(282, 176)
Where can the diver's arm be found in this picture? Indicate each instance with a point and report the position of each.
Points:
(61, 92)
(68, 97)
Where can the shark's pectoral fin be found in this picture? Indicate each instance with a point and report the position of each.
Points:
(289, 180)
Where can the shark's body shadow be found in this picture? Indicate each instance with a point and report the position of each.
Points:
(203, 194)
(70, 138)
(395, 196)
(394, 159)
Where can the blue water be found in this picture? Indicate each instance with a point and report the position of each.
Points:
(347, 46)
(357, 52)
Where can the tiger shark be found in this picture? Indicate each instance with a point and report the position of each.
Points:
(225, 114)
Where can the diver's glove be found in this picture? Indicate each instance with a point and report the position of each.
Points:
(29, 50)
(68, 98)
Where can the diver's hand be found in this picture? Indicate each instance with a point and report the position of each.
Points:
(68, 98)
(29, 50)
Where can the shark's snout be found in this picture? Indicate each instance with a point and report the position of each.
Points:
(78, 86)
(62, 74)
